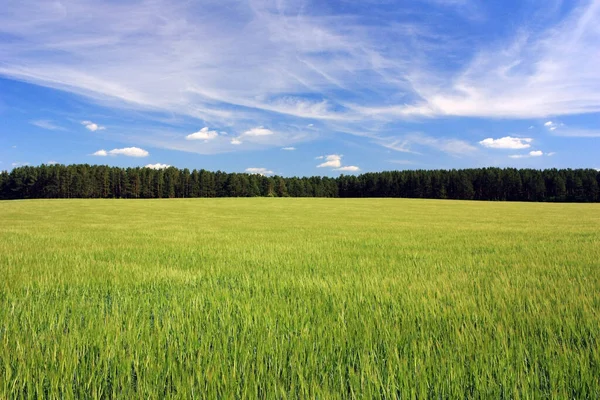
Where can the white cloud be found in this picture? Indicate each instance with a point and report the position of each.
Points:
(259, 131)
(507, 142)
(551, 154)
(52, 163)
(235, 141)
(91, 126)
(127, 151)
(45, 124)
(533, 153)
(349, 168)
(20, 164)
(157, 166)
(331, 161)
(203, 134)
(288, 148)
(259, 171)
(552, 125)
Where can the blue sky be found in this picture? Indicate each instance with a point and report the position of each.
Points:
(301, 87)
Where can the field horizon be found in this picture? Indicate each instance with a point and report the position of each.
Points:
(299, 297)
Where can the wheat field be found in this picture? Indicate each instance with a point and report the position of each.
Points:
(299, 298)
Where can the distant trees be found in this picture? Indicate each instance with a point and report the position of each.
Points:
(100, 181)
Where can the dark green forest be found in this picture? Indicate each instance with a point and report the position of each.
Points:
(101, 181)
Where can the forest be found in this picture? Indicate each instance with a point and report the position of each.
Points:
(101, 181)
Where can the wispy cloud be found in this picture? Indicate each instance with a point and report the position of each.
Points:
(578, 132)
(288, 148)
(553, 72)
(46, 124)
(401, 162)
(452, 146)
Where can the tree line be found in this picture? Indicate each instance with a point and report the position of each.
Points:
(101, 181)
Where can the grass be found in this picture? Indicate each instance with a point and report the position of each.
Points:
(299, 298)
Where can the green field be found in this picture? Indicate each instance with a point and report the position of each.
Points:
(299, 298)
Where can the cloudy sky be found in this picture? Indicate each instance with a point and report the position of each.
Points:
(300, 87)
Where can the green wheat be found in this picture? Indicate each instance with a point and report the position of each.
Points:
(299, 298)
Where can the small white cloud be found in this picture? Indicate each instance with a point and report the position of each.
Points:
(129, 152)
(19, 164)
(319, 157)
(203, 134)
(259, 131)
(551, 154)
(91, 126)
(331, 161)
(349, 168)
(288, 148)
(235, 141)
(552, 126)
(259, 171)
(507, 142)
(52, 163)
(157, 166)
(310, 125)
(533, 153)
